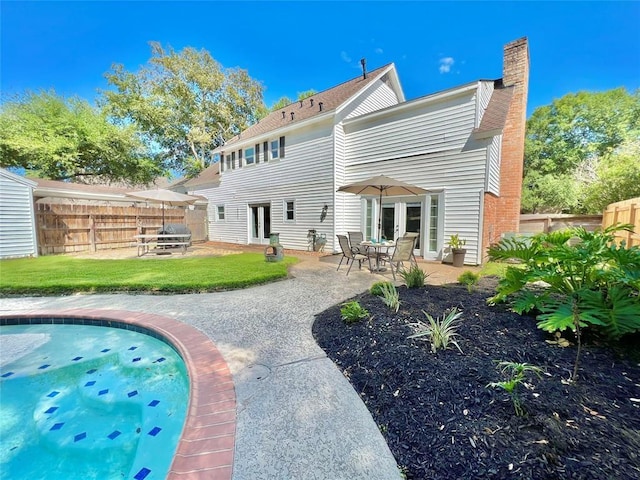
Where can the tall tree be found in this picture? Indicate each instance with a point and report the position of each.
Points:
(184, 103)
(568, 139)
(67, 139)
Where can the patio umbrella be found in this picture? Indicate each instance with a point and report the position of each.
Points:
(165, 197)
(382, 186)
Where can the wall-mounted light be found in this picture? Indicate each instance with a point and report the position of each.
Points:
(323, 214)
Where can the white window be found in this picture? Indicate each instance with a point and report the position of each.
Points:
(275, 149)
(220, 213)
(249, 156)
(228, 160)
(289, 211)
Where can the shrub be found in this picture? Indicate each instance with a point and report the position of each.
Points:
(590, 281)
(469, 279)
(353, 311)
(441, 332)
(390, 296)
(515, 376)
(414, 277)
(376, 288)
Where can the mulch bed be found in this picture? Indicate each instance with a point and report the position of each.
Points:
(439, 419)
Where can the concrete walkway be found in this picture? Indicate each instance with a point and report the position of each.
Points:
(297, 417)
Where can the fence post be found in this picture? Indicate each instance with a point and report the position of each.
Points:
(632, 221)
(92, 233)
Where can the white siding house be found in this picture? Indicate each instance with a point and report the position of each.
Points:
(282, 174)
(17, 218)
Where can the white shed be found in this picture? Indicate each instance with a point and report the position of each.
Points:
(17, 217)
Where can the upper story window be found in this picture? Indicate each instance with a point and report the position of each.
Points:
(289, 211)
(228, 162)
(275, 149)
(249, 156)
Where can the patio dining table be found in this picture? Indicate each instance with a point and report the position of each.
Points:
(378, 252)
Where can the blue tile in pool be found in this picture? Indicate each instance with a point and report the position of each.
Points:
(114, 434)
(53, 394)
(90, 384)
(142, 474)
(133, 393)
(93, 370)
(103, 392)
(154, 431)
(76, 359)
(160, 360)
(105, 350)
(80, 436)
(8, 374)
(132, 348)
(51, 410)
(42, 367)
(153, 403)
(56, 426)
(137, 359)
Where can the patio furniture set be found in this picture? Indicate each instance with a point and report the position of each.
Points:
(378, 254)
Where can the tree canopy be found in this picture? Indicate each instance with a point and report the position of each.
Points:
(68, 139)
(184, 103)
(572, 148)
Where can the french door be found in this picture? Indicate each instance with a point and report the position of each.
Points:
(260, 219)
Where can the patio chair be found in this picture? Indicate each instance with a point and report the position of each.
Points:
(402, 253)
(349, 254)
(412, 235)
(355, 239)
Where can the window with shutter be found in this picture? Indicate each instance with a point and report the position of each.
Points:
(265, 151)
(281, 147)
(249, 156)
(240, 158)
(275, 149)
(233, 160)
(257, 147)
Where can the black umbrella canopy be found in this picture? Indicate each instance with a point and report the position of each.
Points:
(163, 196)
(382, 185)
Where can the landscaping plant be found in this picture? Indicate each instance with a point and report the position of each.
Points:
(588, 281)
(515, 377)
(352, 312)
(376, 288)
(414, 277)
(390, 296)
(470, 279)
(441, 331)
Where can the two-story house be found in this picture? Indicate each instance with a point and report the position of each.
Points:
(464, 145)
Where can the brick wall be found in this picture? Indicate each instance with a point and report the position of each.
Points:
(502, 214)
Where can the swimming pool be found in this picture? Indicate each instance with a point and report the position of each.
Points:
(206, 444)
(88, 402)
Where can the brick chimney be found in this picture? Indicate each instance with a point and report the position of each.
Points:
(502, 213)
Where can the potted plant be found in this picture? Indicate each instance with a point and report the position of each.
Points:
(457, 250)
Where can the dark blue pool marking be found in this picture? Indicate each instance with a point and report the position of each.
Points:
(90, 384)
(137, 359)
(80, 436)
(105, 350)
(160, 360)
(42, 367)
(154, 431)
(142, 474)
(53, 394)
(93, 370)
(51, 410)
(132, 348)
(102, 392)
(57, 426)
(76, 359)
(114, 434)
(133, 393)
(153, 403)
(8, 374)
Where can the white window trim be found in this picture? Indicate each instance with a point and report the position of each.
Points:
(284, 211)
(271, 149)
(253, 156)
(224, 213)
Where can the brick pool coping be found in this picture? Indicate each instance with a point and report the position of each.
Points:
(206, 446)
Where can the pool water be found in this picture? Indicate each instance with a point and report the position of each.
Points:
(88, 402)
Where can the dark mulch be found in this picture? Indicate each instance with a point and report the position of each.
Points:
(440, 420)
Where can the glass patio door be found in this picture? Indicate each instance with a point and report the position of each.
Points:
(413, 223)
(434, 227)
(260, 218)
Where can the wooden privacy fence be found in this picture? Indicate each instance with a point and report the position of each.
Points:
(627, 211)
(63, 228)
(544, 222)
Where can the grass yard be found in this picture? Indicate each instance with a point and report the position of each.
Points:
(62, 275)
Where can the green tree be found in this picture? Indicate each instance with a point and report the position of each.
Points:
(572, 148)
(184, 103)
(68, 139)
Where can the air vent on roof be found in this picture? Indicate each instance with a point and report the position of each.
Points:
(292, 115)
(311, 100)
(283, 114)
(300, 103)
(320, 105)
(363, 62)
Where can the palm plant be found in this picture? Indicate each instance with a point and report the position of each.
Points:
(515, 376)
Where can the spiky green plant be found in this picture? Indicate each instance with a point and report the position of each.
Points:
(440, 331)
(515, 373)
(470, 279)
(414, 277)
(376, 288)
(390, 296)
(352, 312)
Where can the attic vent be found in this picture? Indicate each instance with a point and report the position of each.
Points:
(363, 62)
(320, 105)
(283, 114)
(292, 115)
(311, 100)
(300, 103)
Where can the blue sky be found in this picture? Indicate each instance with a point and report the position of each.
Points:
(296, 46)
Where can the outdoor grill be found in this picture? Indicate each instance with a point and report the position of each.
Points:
(178, 229)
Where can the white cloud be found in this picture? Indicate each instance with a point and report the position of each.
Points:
(379, 51)
(445, 64)
(345, 56)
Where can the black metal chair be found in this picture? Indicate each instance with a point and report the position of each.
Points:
(349, 254)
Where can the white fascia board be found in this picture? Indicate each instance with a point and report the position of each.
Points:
(17, 178)
(40, 192)
(348, 101)
(433, 98)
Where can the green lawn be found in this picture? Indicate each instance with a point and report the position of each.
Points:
(58, 275)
